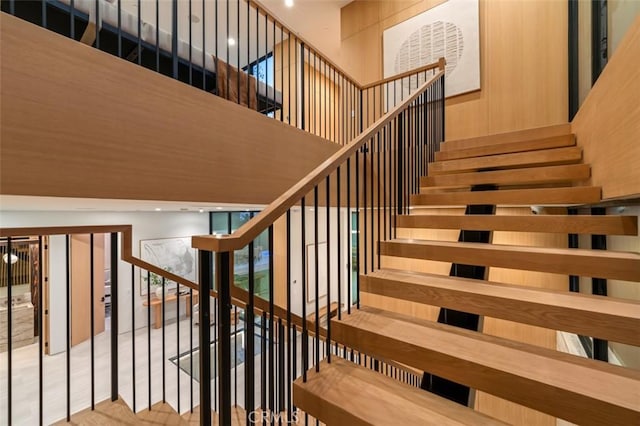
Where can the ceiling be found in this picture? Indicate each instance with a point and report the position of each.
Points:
(26, 203)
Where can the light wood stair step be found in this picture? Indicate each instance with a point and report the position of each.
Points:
(238, 417)
(588, 263)
(106, 413)
(160, 414)
(529, 176)
(506, 148)
(508, 137)
(606, 318)
(343, 393)
(563, 224)
(547, 157)
(579, 390)
(529, 196)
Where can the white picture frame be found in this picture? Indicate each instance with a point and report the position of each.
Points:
(452, 30)
(174, 255)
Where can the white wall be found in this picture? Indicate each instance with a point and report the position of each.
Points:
(296, 250)
(146, 225)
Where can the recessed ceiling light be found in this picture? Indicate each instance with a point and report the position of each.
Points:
(158, 209)
(288, 3)
(218, 208)
(231, 41)
(201, 210)
(195, 19)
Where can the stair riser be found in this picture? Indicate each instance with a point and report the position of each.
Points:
(502, 257)
(585, 322)
(507, 148)
(552, 400)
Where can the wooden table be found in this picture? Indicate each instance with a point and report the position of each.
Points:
(156, 305)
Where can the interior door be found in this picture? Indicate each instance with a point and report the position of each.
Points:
(81, 287)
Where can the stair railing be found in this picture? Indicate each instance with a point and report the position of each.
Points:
(331, 221)
(236, 50)
(139, 269)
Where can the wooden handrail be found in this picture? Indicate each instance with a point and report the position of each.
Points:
(250, 230)
(260, 7)
(240, 297)
(440, 65)
(126, 245)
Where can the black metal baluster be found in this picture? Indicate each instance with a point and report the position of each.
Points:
(272, 394)
(120, 29)
(357, 195)
(205, 259)
(316, 278)
(178, 344)
(365, 192)
(291, 348)
(328, 345)
(238, 69)
(40, 335)
(303, 254)
(92, 320)
(158, 35)
(263, 364)
(164, 315)
(191, 49)
(149, 338)
(72, 19)
(10, 336)
(174, 42)
(235, 355)
(249, 377)
(68, 296)
(349, 232)
(133, 338)
(338, 236)
(114, 317)
(139, 46)
(190, 349)
(372, 242)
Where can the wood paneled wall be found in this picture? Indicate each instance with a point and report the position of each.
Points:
(77, 122)
(607, 125)
(523, 61)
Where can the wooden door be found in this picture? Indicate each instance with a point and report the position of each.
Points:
(81, 287)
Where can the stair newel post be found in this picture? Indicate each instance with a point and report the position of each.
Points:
(205, 282)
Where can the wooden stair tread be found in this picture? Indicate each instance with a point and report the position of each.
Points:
(106, 413)
(606, 318)
(579, 390)
(530, 196)
(520, 159)
(582, 262)
(564, 224)
(507, 137)
(532, 175)
(343, 393)
(509, 147)
(160, 414)
(238, 417)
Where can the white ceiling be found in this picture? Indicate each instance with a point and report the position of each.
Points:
(317, 21)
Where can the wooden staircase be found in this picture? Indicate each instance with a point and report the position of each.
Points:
(537, 167)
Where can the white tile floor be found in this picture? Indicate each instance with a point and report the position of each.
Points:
(25, 375)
